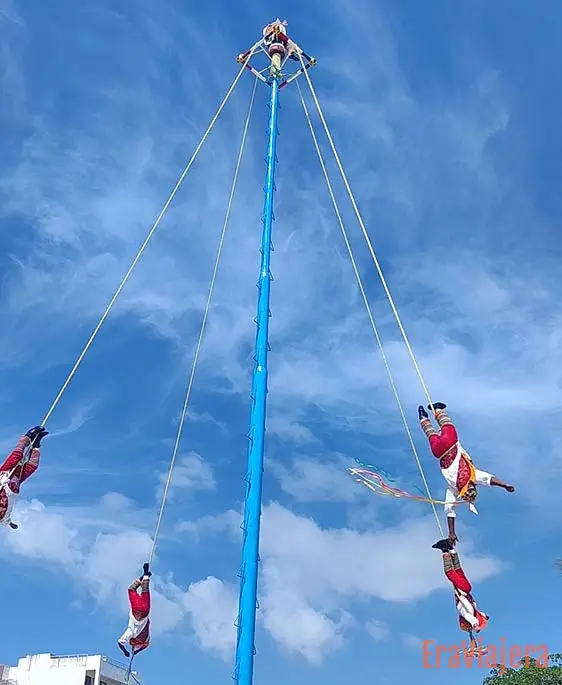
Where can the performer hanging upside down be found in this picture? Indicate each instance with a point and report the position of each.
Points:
(471, 619)
(137, 635)
(456, 465)
(17, 469)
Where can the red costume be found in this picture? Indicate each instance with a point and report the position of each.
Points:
(445, 447)
(137, 634)
(13, 472)
(456, 465)
(470, 618)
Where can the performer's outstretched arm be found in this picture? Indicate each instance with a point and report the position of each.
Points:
(450, 501)
(452, 532)
(501, 484)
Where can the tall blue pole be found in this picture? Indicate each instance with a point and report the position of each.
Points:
(246, 623)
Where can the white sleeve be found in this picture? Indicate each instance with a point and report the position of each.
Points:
(466, 611)
(127, 635)
(483, 477)
(450, 501)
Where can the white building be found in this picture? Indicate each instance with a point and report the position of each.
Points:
(78, 669)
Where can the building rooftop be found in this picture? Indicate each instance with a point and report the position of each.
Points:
(71, 669)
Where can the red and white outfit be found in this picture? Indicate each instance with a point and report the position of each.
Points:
(276, 30)
(137, 634)
(13, 472)
(470, 617)
(456, 465)
(275, 38)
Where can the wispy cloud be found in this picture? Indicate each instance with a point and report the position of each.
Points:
(76, 421)
(89, 162)
(316, 480)
(191, 472)
(377, 630)
(12, 85)
(413, 642)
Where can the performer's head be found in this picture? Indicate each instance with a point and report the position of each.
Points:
(471, 493)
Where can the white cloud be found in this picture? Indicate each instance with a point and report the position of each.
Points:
(207, 417)
(52, 185)
(311, 576)
(191, 472)
(210, 524)
(212, 607)
(412, 642)
(12, 85)
(104, 564)
(298, 627)
(92, 196)
(329, 565)
(45, 536)
(315, 480)
(115, 501)
(377, 630)
(487, 338)
(290, 429)
(79, 417)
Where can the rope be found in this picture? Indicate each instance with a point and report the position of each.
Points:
(130, 669)
(366, 235)
(130, 672)
(147, 240)
(203, 323)
(368, 308)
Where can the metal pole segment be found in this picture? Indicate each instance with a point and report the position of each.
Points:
(246, 623)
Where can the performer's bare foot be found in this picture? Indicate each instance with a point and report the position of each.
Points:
(510, 488)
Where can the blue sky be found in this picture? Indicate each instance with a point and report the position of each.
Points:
(447, 120)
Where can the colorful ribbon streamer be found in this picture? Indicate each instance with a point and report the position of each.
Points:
(372, 478)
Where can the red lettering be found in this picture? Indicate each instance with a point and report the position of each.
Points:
(455, 658)
(440, 648)
(515, 656)
(542, 660)
(425, 652)
(492, 657)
